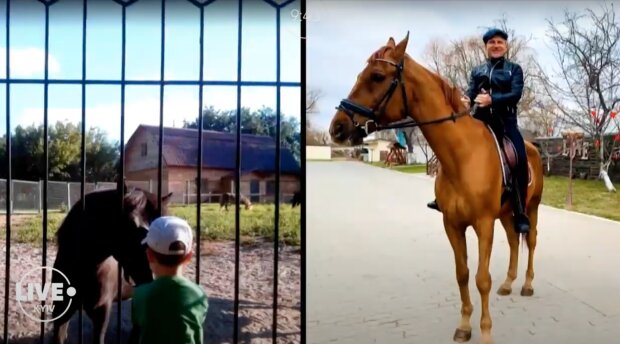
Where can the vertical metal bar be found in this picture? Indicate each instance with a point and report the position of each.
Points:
(82, 163)
(199, 184)
(46, 157)
(302, 186)
(161, 106)
(276, 239)
(238, 176)
(7, 268)
(121, 174)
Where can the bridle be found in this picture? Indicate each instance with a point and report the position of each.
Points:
(374, 115)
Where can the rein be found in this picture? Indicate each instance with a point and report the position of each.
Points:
(371, 125)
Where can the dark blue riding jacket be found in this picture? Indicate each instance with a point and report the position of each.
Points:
(504, 81)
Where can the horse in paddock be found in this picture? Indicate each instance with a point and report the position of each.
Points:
(91, 242)
(296, 199)
(229, 198)
(470, 182)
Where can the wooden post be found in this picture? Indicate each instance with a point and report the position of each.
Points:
(187, 192)
(68, 196)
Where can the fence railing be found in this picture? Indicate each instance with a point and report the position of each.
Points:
(47, 195)
(27, 195)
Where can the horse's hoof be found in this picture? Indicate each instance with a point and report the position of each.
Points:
(527, 291)
(462, 336)
(504, 291)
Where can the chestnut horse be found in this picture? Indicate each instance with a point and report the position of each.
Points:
(469, 184)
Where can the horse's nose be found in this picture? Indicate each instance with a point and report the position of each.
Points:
(337, 131)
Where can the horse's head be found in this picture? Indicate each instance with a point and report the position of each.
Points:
(378, 96)
(141, 208)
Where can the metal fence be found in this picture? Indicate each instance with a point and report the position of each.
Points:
(61, 196)
(48, 194)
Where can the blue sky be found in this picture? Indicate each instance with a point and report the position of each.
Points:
(143, 46)
(343, 33)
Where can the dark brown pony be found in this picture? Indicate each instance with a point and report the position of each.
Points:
(393, 87)
(91, 242)
(296, 199)
(229, 197)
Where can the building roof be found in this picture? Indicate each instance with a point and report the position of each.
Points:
(258, 153)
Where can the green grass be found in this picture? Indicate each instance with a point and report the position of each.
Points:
(219, 224)
(255, 224)
(418, 168)
(589, 196)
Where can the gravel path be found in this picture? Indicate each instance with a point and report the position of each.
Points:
(217, 279)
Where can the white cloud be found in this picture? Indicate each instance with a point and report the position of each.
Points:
(28, 62)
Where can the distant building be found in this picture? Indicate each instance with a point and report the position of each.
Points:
(180, 162)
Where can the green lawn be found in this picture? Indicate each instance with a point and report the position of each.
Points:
(215, 224)
(420, 168)
(589, 196)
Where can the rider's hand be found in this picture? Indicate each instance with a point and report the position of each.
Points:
(483, 99)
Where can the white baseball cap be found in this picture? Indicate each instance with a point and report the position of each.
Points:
(166, 230)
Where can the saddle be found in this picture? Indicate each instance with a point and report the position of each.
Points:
(508, 161)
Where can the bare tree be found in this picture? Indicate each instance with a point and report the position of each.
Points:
(314, 136)
(586, 88)
(312, 99)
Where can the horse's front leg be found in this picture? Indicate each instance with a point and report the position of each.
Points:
(484, 230)
(456, 235)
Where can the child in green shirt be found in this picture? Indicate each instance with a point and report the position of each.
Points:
(171, 309)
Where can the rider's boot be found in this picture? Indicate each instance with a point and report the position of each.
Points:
(521, 221)
(433, 205)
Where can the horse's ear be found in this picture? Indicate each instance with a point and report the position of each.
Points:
(391, 43)
(166, 199)
(400, 49)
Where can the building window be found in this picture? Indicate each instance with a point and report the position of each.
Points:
(254, 191)
(271, 187)
(143, 150)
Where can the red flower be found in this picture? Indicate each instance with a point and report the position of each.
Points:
(617, 137)
(593, 113)
(612, 114)
(597, 143)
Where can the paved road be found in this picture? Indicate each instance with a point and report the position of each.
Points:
(381, 270)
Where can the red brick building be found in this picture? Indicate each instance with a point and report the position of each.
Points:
(180, 161)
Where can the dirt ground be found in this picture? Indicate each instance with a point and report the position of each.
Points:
(217, 279)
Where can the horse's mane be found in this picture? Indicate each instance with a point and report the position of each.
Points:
(451, 93)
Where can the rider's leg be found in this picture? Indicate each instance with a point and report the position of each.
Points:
(520, 178)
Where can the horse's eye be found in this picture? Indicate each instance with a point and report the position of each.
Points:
(376, 77)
